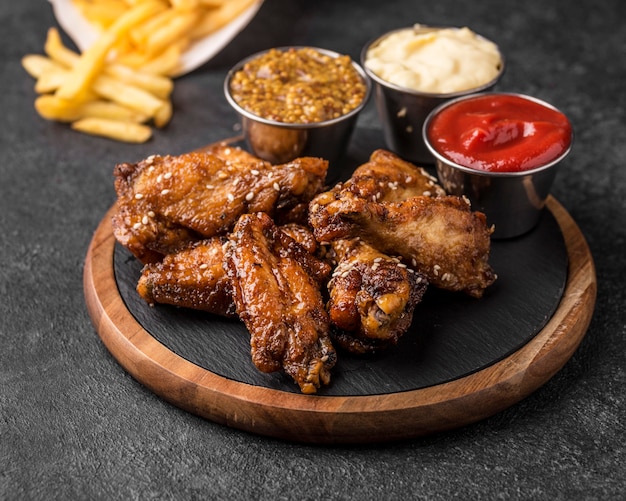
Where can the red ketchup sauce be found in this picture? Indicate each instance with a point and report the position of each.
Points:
(500, 133)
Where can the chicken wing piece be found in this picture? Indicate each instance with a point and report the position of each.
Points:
(372, 297)
(164, 203)
(193, 277)
(438, 236)
(388, 178)
(276, 289)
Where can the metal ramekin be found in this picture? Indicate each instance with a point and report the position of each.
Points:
(402, 111)
(279, 142)
(512, 201)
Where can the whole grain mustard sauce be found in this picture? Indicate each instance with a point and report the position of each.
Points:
(438, 61)
(298, 85)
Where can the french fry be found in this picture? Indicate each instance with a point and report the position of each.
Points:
(36, 65)
(175, 30)
(212, 3)
(123, 81)
(121, 131)
(51, 80)
(55, 49)
(61, 110)
(185, 4)
(156, 84)
(93, 58)
(163, 115)
(167, 62)
(219, 17)
(102, 14)
(140, 33)
(112, 111)
(126, 95)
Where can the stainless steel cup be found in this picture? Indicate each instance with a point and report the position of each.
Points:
(402, 111)
(279, 142)
(512, 201)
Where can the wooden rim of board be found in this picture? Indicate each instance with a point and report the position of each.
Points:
(342, 419)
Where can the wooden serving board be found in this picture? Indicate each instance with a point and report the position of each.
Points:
(476, 359)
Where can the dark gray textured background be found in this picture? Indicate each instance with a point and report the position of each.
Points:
(74, 425)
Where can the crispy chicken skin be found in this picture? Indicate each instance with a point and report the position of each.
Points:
(372, 297)
(193, 277)
(400, 210)
(276, 289)
(438, 236)
(166, 202)
(388, 178)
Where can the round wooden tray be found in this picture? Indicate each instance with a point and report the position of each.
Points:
(380, 416)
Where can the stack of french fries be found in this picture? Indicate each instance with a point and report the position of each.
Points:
(121, 85)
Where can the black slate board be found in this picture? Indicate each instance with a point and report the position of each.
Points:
(451, 336)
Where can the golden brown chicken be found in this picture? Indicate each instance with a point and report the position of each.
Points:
(165, 203)
(400, 210)
(276, 288)
(388, 178)
(438, 236)
(372, 297)
(192, 277)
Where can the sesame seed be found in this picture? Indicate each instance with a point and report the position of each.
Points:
(145, 220)
(408, 179)
(167, 175)
(427, 193)
(254, 172)
(159, 178)
(236, 181)
(165, 192)
(138, 196)
(136, 226)
(401, 265)
(151, 213)
(378, 259)
(276, 186)
(210, 187)
(249, 196)
(230, 197)
(203, 266)
(227, 151)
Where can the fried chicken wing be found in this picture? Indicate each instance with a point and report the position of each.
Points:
(164, 203)
(438, 236)
(372, 297)
(193, 277)
(276, 289)
(388, 178)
